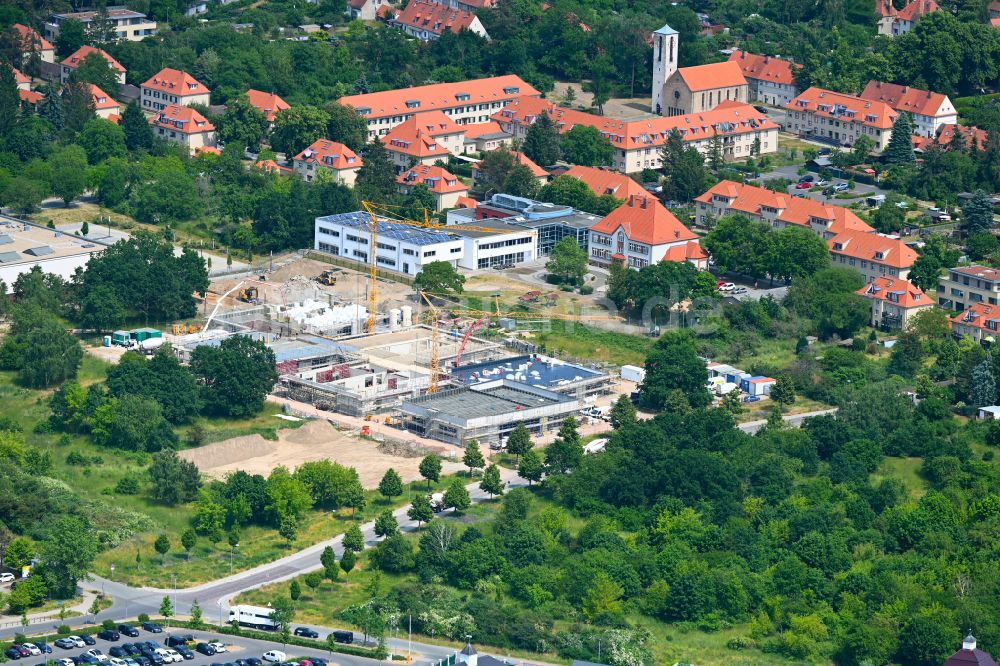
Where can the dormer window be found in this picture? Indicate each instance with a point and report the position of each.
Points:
(880, 255)
(838, 246)
(511, 90)
(363, 110)
(463, 97)
(413, 104)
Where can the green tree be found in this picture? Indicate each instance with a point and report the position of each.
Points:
(102, 139)
(430, 468)
(521, 182)
(420, 509)
(783, 391)
(72, 35)
(566, 452)
(386, 524)
(977, 214)
(10, 101)
(492, 484)
(19, 553)
(603, 600)
(162, 546)
(235, 376)
(457, 496)
(78, 105)
(40, 348)
(587, 146)
(862, 148)
(294, 589)
(133, 423)
(900, 148)
(935, 255)
(243, 124)
(346, 126)
(674, 364)
(494, 170)
(683, 169)
(542, 143)
(984, 385)
(296, 128)
(67, 554)
(519, 442)
(196, 615)
(354, 539)
(376, 179)
(348, 560)
(928, 638)
(622, 412)
(391, 484)
(24, 194)
(889, 218)
(50, 107)
(138, 133)
(531, 466)
(314, 579)
(175, 480)
(188, 541)
(282, 614)
(828, 298)
(473, 457)
(798, 253)
(731, 403)
(69, 173)
(96, 70)
(568, 261)
(739, 244)
(439, 278)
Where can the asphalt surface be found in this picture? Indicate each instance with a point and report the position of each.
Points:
(794, 420)
(792, 173)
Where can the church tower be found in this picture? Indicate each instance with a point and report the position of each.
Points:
(664, 63)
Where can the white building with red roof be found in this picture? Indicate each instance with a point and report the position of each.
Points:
(336, 158)
(172, 86)
(840, 118)
(677, 92)
(267, 103)
(484, 137)
(771, 80)
(893, 22)
(873, 255)
(32, 42)
(603, 182)
(427, 20)
(183, 125)
(105, 106)
(777, 209)
(980, 322)
(641, 232)
(894, 302)
(424, 139)
(465, 102)
(126, 24)
(20, 80)
(364, 10)
(72, 62)
(929, 110)
(444, 185)
(974, 138)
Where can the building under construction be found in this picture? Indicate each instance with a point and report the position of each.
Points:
(539, 371)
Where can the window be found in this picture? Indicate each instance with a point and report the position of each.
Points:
(456, 250)
(430, 253)
(407, 251)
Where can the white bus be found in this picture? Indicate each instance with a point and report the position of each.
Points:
(255, 617)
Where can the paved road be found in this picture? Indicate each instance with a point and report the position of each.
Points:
(794, 420)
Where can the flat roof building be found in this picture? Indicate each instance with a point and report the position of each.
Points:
(552, 222)
(538, 371)
(127, 24)
(24, 245)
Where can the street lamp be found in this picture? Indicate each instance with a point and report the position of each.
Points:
(220, 612)
(112, 572)
(232, 551)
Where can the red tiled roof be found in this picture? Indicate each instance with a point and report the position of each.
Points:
(970, 132)
(29, 36)
(764, 68)
(476, 130)
(330, 154)
(799, 211)
(182, 119)
(873, 247)
(628, 135)
(976, 316)
(715, 75)
(823, 103)
(645, 220)
(439, 96)
(176, 82)
(995, 22)
(433, 17)
(907, 294)
(436, 179)
(207, 150)
(267, 103)
(103, 100)
(19, 77)
(690, 251)
(81, 53)
(602, 181)
(415, 136)
(30, 96)
(521, 158)
(982, 272)
(270, 166)
(905, 98)
(916, 9)
(466, 202)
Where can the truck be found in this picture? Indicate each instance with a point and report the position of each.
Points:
(255, 617)
(142, 339)
(437, 502)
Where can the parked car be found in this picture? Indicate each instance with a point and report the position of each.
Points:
(117, 651)
(44, 647)
(6, 577)
(840, 187)
(128, 630)
(275, 656)
(178, 639)
(727, 286)
(115, 661)
(12, 653)
(306, 632)
(821, 183)
(33, 650)
(805, 185)
(152, 627)
(154, 658)
(739, 290)
(67, 643)
(183, 651)
(219, 647)
(253, 661)
(761, 109)
(343, 636)
(168, 656)
(205, 649)
(808, 178)
(78, 641)
(143, 660)
(318, 661)
(109, 635)
(65, 661)
(88, 639)
(131, 662)
(131, 648)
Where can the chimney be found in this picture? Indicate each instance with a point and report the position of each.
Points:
(631, 201)
(677, 233)
(906, 89)
(969, 643)
(642, 203)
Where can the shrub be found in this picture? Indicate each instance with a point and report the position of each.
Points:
(77, 459)
(143, 617)
(127, 485)
(741, 643)
(64, 630)
(108, 624)
(586, 289)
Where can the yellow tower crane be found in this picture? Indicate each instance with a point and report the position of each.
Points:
(435, 359)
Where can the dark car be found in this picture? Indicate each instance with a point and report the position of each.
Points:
(178, 639)
(183, 651)
(12, 653)
(88, 639)
(343, 636)
(254, 661)
(131, 648)
(117, 651)
(808, 178)
(128, 630)
(25, 652)
(153, 657)
(762, 109)
(306, 631)
(152, 627)
(318, 661)
(141, 658)
(148, 645)
(109, 635)
(205, 649)
(44, 647)
(88, 658)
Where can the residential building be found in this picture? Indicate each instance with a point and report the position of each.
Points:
(270, 166)
(777, 209)
(73, 61)
(838, 118)
(105, 105)
(638, 143)
(423, 139)
(677, 92)
(872, 255)
(465, 102)
(127, 24)
(445, 186)
(484, 137)
(335, 158)
(894, 302)
(267, 103)
(964, 286)
(642, 232)
(540, 174)
(893, 22)
(427, 20)
(365, 10)
(32, 42)
(183, 125)
(469, 5)
(972, 135)
(400, 247)
(172, 86)
(770, 80)
(929, 110)
(20, 80)
(489, 243)
(994, 9)
(603, 182)
(979, 321)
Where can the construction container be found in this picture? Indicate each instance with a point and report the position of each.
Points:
(632, 373)
(143, 334)
(121, 338)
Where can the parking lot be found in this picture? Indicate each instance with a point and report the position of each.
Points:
(240, 651)
(791, 173)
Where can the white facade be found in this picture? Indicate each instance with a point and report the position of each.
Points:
(770, 92)
(506, 248)
(664, 63)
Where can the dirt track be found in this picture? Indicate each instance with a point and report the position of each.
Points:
(316, 440)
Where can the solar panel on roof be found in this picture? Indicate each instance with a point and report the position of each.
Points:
(9, 257)
(5, 239)
(39, 251)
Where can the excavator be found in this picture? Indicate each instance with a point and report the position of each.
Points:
(327, 278)
(248, 295)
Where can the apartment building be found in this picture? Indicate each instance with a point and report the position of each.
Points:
(973, 137)
(128, 25)
(871, 255)
(424, 139)
(267, 103)
(465, 102)
(603, 182)
(638, 143)
(837, 118)
(979, 321)
(641, 232)
(444, 185)
(929, 110)
(427, 20)
(183, 125)
(68, 65)
(31, 43)
(894, 22)
(105, 106)
(172, 86)
(334, 158)
(894, 302)
(964, 286)
(771, 80)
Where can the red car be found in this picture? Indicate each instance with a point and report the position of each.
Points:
(803, 186)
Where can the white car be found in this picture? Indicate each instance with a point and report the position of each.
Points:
(6, 577)
(65, 662)
(220, 647)
(727, 286)
(33, 649)
(115, 661)
(275, 656)
(77, 641)
(175, 655)
(168, 655)
(97, 654)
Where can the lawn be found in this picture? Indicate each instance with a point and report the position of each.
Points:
(906, 470)
(593, 344)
